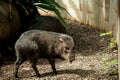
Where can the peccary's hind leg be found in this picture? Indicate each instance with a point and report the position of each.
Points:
(18, 62)
(33, 62)
(52, 63)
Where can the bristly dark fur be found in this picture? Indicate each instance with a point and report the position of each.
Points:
(36, 44)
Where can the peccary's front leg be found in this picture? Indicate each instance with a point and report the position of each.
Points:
(52, 63)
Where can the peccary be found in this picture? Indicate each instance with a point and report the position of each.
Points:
(9, 26)
(47, 23)
(35, 44)
(9, 21)
(31, 19)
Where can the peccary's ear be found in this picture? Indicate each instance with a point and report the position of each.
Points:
(61, 38)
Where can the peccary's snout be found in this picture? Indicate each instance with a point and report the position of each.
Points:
(71, 58)
(67, 47)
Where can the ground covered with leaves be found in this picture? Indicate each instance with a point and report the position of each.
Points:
(91, 51)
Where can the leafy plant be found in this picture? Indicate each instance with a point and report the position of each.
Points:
(113, 62)
(107, 33)
(110, 63)
(51, 5)
(112, 43)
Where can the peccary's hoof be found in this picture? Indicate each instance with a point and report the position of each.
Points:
(55, 73)
(38, 75)
(15, 78)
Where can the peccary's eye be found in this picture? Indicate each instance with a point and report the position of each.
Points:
(66, 51)
(67, 48)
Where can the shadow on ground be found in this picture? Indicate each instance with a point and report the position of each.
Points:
(49, 75)
(80, 72)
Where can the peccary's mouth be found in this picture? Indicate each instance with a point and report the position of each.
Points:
(71, 60)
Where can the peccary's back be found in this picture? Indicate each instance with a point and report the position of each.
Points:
(36, 41)
(39, 35)
(47, 23)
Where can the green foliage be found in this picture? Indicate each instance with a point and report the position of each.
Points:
(104, 59)
(113, 62)
(112, 43)
(52, 6)
(107, 33)
(110, 64)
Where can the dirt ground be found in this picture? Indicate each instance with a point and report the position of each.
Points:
(90, 49)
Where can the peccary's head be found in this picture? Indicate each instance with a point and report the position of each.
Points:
(65, 47)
